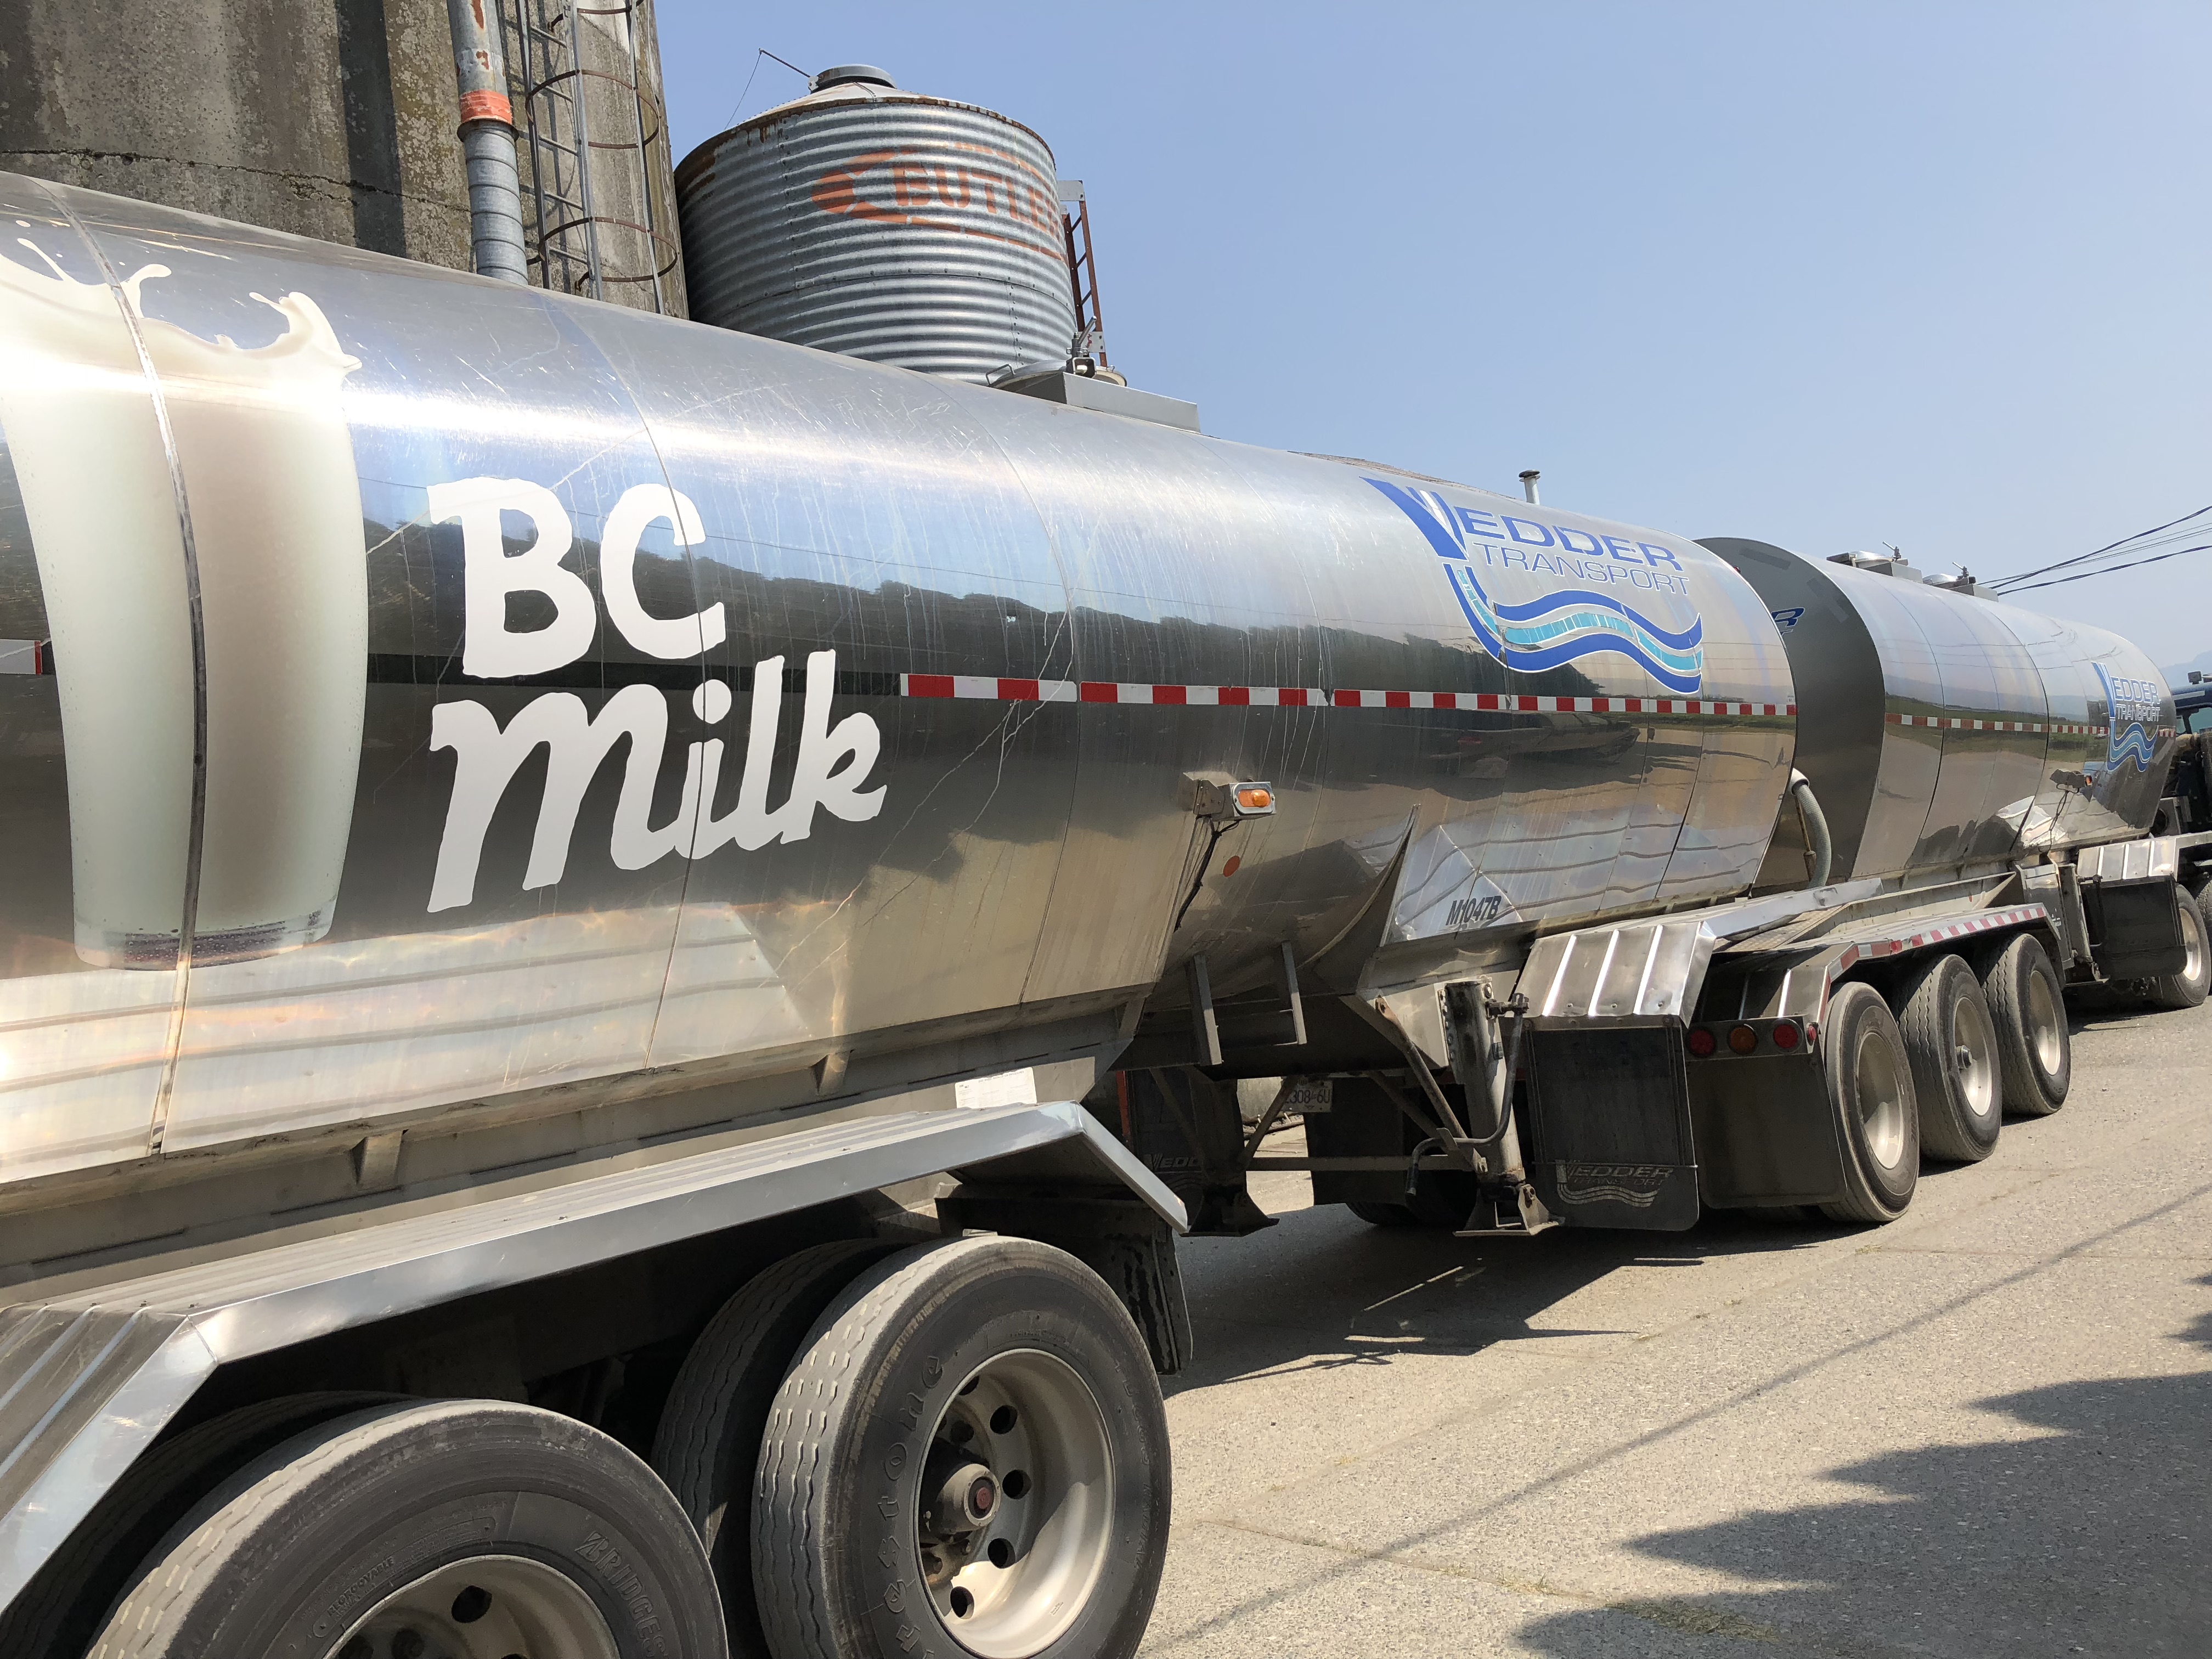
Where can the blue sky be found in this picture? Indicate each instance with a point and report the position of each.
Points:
(1939, 275)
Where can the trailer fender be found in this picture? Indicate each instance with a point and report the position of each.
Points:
(94, 1364)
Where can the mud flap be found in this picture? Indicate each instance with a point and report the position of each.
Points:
(2134, 928)
(1608, 1108)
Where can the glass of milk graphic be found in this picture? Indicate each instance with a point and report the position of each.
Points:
(259, 439)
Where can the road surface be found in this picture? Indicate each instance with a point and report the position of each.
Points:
(1984, 1430)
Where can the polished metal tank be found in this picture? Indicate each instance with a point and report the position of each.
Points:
(883, 224)
(1946, 732)
(434, 697)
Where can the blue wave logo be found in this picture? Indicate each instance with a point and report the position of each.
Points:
(2128, 704)
(1559, 627)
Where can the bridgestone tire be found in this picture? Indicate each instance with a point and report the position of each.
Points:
(2187, 989)
(63, 1607)
(292, 1554)
(1957, 1076)
(1870, 1081)
(837, 1523)
(2029, 1006)
(709, 1439)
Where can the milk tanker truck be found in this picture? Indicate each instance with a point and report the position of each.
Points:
(541, 840)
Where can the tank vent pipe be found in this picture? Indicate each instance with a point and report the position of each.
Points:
(1816, 827)
(488, 143)
(1528, 486)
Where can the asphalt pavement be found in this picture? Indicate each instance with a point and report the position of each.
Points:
(1984, 1430)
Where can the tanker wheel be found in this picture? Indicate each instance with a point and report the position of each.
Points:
(2186, 989)
(448, 1529)
(1952, 1042)
(1870, 1081)
(62, 1608)
(2034, 1053)
(1441, 1199)
(1376, 1213)
(968, 1456)
(709, 1439)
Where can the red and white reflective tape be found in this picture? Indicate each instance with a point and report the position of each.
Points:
(1981, 922)
(1001, 689)
(1952, 723)
(1532, 705)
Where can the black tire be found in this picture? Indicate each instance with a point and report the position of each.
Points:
(1442, 1200)
(1870, 1081)
(297, 1551)
(2186, 989)
(1957, 1079)
(62, 1608)
(2029, 1006)
(1377, 1214)
(709, 1438)
(876, 1398)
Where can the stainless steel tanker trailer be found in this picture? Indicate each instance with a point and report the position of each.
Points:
(541, 841)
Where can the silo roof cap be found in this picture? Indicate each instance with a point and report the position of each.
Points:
(845, 73)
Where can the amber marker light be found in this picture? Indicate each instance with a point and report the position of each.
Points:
(1254, 797)
(1742, 1039)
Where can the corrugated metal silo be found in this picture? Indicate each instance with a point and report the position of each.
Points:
(883, 224)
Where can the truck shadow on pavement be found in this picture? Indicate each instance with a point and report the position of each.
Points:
(2085, 1533)
(2097, 1009)
(1322, 1289)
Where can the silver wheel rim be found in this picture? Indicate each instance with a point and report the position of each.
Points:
(2192, 940)
(1011, 1586)
(1877, 1085)
(1974, 1050)
(488, 1606)
(2044, 1031)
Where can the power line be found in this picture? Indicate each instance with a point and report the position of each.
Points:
(748, 87)
(2084, 566)
(2110, 547)
(2110, 569)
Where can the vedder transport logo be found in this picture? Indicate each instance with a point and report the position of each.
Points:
(2132, 707)
(1574, 622)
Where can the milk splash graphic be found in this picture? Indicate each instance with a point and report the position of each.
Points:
(274, 498)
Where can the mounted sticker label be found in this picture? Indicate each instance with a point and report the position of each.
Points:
(1561, 626)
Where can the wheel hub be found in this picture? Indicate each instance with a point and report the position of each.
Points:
(2045, 1032)
(1017, 1505)
(490, 1606)
(1880, 1100)
(1975, 1055)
